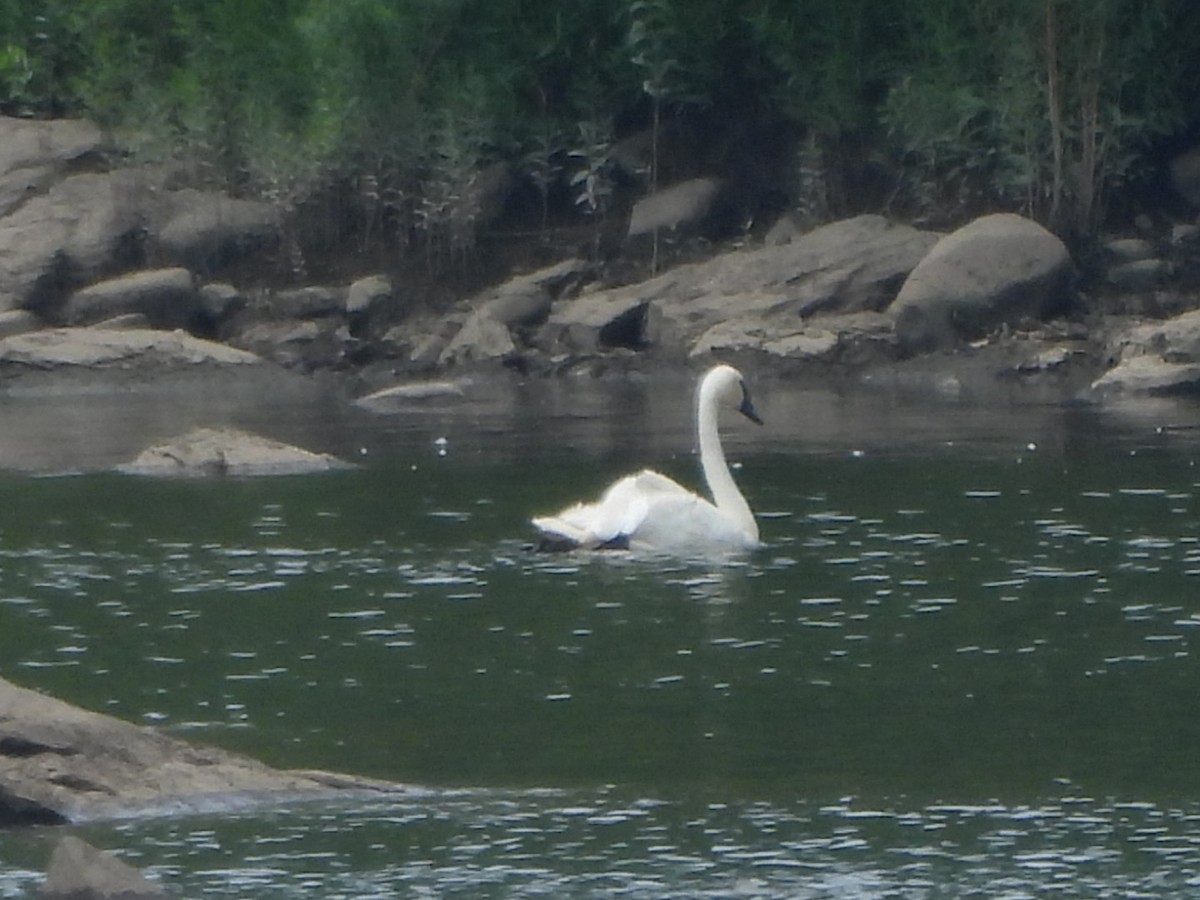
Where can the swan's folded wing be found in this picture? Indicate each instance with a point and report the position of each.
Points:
(618, 514)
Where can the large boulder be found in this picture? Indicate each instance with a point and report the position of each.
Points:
(213, 452)
(1000, 269)
(856, 265)
(166, 297)
(60, 763)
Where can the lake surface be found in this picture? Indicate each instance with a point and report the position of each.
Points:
(961, 666)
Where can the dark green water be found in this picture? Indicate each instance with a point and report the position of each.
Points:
(961, 666)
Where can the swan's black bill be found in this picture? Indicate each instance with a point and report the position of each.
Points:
(747, 408)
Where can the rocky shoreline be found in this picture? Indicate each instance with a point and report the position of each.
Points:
(114, 273)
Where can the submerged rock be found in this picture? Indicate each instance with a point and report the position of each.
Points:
(78, 871)
(210, 452)
(60, 763)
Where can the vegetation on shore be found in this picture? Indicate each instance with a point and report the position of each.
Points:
(383, 113)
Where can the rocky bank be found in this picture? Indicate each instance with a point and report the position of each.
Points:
(115, 270)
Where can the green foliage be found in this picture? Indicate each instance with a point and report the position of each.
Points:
(1045, 106)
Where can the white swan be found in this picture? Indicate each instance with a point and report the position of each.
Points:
(651, 512)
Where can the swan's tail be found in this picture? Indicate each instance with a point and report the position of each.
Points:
(556, 535)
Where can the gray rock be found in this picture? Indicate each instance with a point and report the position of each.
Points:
(518, 305)
(78, 871)
(18, 321)
(60, 764)
(166, 297)
(33, 152)
(851, 339)
(1185, 234)
(1175, 340)
(219, 301)
(1126, 250)
(209, 452)
(855, 265)
(1000, 269)
(304, 344)
(684, 205)
(101, 349)
(78, 229)
(312, 302)
(206, 231)
(784, 230)
(127, 322)
(1139, 275)
(366, 295)
(481, 339)
(1149, 375)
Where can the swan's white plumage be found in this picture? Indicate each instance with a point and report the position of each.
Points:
(649, 511)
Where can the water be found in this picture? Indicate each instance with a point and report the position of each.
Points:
(962, 665)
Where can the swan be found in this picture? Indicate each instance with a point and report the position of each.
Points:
(648, 511)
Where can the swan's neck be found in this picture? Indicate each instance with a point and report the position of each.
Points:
(725, 494)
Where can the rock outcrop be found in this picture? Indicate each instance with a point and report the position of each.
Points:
(211, 452)
(774, 295)
(60, 764)
(69, 217)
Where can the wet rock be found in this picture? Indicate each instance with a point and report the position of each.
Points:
(167, 298)
(78, 871)
(403, 396)
(60, 763)
(209, 452)
(1000, 269)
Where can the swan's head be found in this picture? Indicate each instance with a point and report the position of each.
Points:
(725, 384)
